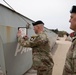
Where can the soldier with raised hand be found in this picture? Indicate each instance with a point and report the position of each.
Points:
(40, 44)
(70, 62)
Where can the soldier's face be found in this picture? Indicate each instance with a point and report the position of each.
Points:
(36, 29)
(73, 21)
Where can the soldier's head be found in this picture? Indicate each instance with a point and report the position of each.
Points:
(38, 26)
(73, 18)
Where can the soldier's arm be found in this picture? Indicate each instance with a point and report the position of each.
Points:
(74, 60)
(39, 40)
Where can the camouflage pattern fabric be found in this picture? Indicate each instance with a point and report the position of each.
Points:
(42, 58)
(47, 71)
(70, 63)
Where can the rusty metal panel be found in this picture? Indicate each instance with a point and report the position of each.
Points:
(2, 59)
(9, 23)
(15, 65)
(11, 18)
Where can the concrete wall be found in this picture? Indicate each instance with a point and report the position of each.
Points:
(9, 23)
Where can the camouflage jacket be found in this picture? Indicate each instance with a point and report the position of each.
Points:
(41, 50)
(70, 63)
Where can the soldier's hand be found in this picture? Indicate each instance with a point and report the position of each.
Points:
(18, 33)
(25, 37)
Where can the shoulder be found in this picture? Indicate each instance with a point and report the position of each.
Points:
(43, 35)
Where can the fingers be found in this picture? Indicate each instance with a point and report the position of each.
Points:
(19, 33)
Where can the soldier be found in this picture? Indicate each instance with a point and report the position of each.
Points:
(42, 58)
(70, 63)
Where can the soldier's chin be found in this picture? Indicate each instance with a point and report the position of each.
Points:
(36, 32)
(71, 28)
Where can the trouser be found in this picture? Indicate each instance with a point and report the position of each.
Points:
(31, 71)
(45, 72)
(67, 73)
(39, 72)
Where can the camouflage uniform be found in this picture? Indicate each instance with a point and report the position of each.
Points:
(70, 63)
(42, 58)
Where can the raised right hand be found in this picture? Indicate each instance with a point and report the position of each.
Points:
(18, 33)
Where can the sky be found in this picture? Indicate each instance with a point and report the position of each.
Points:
(54, 13)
